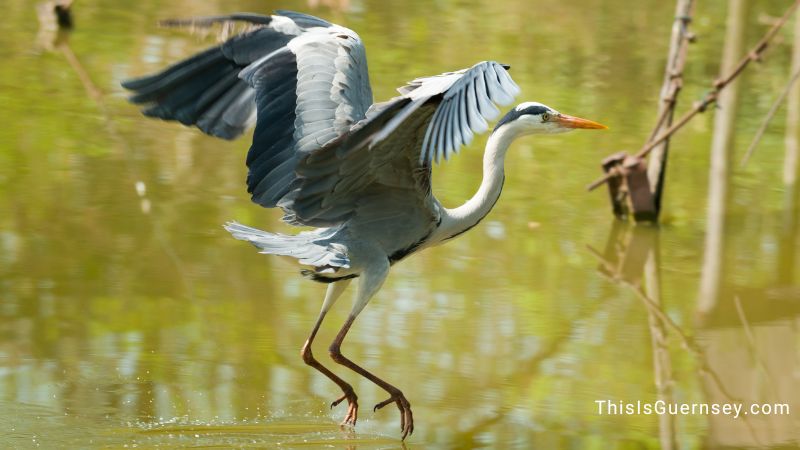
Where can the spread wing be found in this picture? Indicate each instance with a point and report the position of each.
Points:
(385, 161)
(321, 151)
(302, 79)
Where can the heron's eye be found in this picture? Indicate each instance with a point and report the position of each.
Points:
(545, 117)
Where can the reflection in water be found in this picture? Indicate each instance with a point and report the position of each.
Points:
(791, 165)
(721, 151)
(124, 325)
(54, 25)
(765, 374)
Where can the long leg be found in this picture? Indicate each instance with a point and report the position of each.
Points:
(370, 282)
(334, 291)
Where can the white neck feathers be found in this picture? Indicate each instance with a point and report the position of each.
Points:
(458, 220)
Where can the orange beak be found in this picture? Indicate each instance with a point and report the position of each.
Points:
(576, 122)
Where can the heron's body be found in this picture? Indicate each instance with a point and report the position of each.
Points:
(358, 173)
(393, 228)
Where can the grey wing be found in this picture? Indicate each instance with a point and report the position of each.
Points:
(303, 79)
(205, 90)
(465, 107)
(307, 94)
(381, 169)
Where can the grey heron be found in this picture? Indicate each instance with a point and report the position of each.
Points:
(358, 172)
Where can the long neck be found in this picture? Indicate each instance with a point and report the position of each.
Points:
(458, 220)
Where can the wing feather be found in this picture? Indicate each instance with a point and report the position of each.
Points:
(303, 79)
(465, 133)
(321, 150)
(476, 120)
(198, 90)
(392, 150)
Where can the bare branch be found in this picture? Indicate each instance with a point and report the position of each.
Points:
(770, 115)
(711, 97)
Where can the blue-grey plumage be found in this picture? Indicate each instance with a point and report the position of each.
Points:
(358, 172)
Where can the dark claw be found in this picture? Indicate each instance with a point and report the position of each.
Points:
(383, 403)
(406, 417)
(352, 408)
(338, 400)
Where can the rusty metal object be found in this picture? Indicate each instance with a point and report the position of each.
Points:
(629, 188)
(615, 189)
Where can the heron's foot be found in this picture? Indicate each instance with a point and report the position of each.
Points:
(406, 418)
(352, 407)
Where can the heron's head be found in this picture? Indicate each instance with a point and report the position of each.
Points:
(536, 118)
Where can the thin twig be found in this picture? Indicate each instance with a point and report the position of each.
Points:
(770, 115)
(711, 97)
(688, 342)
(91, 89)
(673, 78)
(673, 83)
(751, 341)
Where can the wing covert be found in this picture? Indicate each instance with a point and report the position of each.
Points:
(395, 146)
(308, 93)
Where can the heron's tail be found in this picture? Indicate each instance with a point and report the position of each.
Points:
(311, 248)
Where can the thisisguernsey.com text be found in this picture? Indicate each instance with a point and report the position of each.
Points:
(660, 407)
